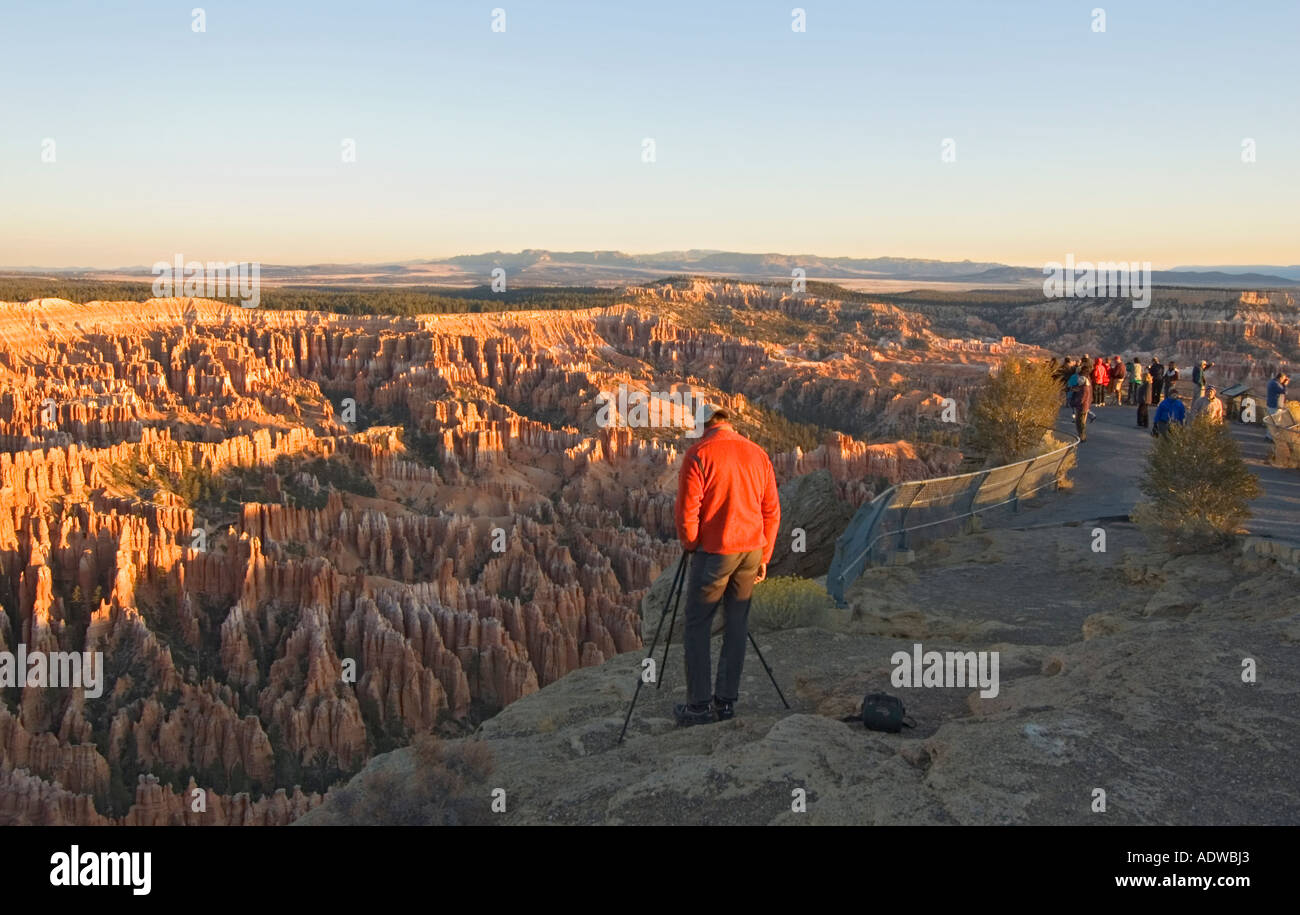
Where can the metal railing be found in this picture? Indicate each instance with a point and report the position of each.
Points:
(905, 510)
(1283, 429)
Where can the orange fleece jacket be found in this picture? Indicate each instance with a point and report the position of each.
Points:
(726, 496)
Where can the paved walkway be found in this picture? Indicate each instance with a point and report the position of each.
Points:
(1111, 462)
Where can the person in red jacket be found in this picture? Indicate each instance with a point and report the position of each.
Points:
(1100, 380)
(727, 515)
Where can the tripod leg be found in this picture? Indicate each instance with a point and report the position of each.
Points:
(631, 705)
(770, 675)
(675, 586)
(671, 624)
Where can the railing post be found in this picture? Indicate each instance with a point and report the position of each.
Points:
(976, 486)
(1015, 493)
(880, 520)
(1061, 463)
(872, 513)
(902, 520)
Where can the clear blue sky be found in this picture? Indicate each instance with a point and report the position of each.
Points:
(227, 144)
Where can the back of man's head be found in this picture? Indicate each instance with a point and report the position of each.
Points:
(713, 415)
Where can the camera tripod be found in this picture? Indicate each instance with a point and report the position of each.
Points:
(675, 599)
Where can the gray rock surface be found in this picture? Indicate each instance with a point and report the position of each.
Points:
(1119, 670)
(810, 503)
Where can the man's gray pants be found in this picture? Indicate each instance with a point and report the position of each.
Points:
(730, 579)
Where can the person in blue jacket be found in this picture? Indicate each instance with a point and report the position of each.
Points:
(1171, 410)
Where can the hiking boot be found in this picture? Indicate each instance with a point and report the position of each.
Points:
(688, 715)
(725, 709)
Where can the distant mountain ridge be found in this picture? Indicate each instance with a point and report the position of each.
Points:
(1291, 273)
(542, 267)
(711, 261)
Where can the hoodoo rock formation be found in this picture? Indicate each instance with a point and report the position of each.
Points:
(1248, 335)
(298, 539)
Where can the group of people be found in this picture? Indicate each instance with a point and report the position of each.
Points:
(728, 511)
(1088, 381)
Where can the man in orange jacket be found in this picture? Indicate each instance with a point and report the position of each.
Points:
(727, 514)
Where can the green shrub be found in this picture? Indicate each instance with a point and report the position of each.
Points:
(193, 484)
(302, 495)
(340, 473)
(777, 433)
(1197, 486)
(788, 602)
(1016, 407)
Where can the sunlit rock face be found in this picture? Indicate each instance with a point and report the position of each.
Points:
(298, 539)
(1247, 334)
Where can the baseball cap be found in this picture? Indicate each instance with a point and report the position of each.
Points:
(711, 411)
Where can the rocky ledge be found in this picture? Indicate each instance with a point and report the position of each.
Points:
(1123, 672)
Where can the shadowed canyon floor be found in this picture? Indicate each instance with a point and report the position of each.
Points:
(1120, 671)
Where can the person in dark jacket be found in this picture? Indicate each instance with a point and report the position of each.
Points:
(1157, 373)
(1143, 398)
(1277, 391)
(1198, 377)
(1117, 386)
(1081, 401)
(1171, 379)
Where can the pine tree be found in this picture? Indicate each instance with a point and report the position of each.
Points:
(1198, 486)
(1017, 406)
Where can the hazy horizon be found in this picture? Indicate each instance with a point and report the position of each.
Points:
(228, 144)
(977, 263)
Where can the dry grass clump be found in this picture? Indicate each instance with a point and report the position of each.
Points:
(788, 602)
(448, 787)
